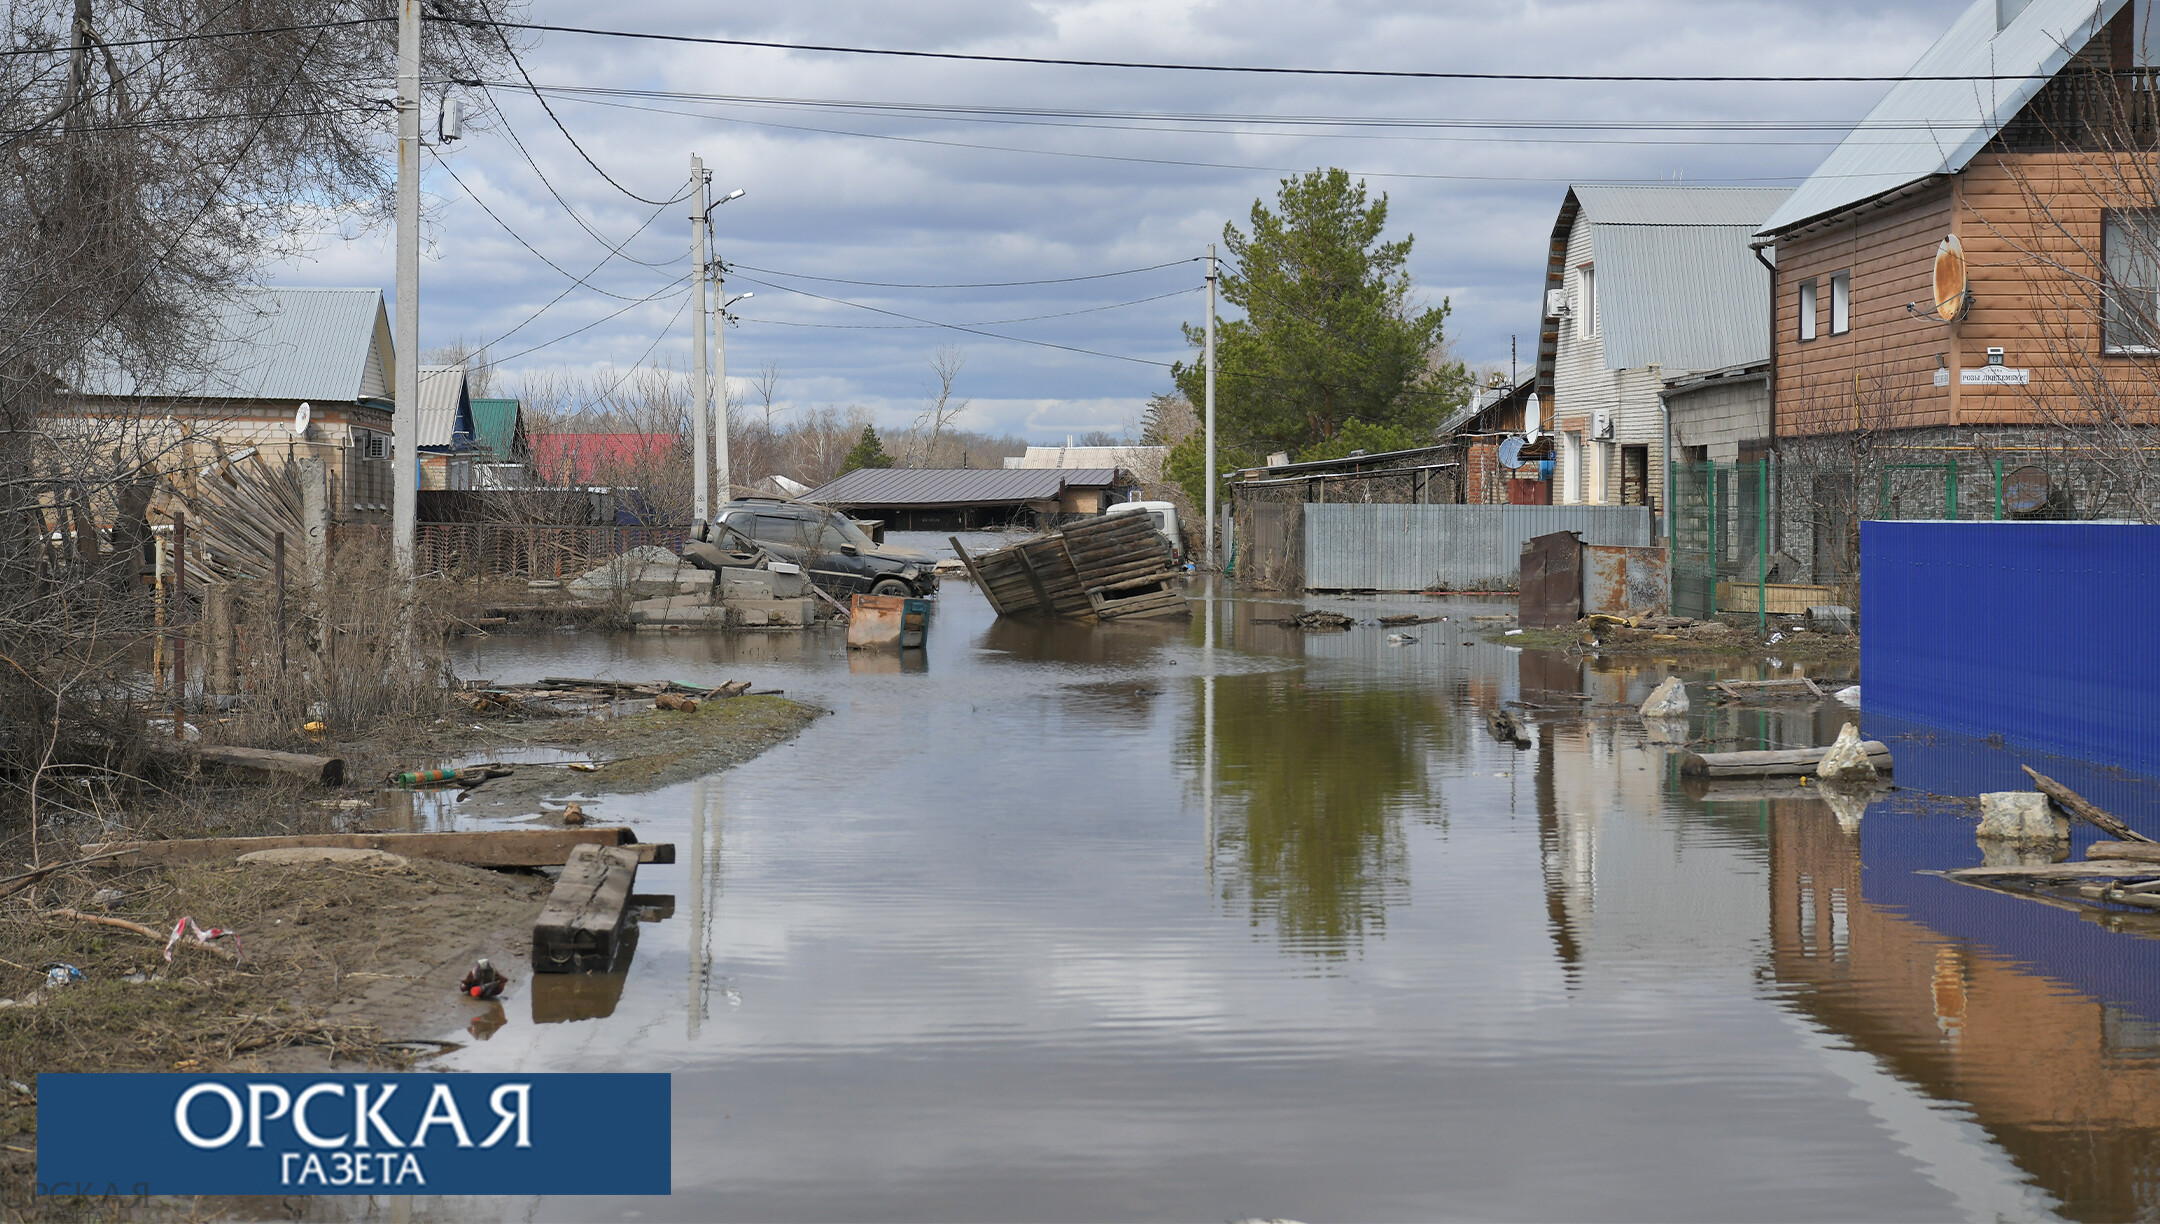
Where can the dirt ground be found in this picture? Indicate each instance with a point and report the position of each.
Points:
(355, 963)
(1708, 642)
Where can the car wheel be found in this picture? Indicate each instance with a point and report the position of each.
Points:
(890, 586)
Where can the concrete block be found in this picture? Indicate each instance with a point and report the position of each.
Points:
(1847, 760)
(737, 582)
(1830, 618)
(691, 581)
(771, 613)
(677, 610)
(1668, 700)
(2021, 816)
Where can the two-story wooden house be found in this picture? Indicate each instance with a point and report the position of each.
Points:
(1964, 295)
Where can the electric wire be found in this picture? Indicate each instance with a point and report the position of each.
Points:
(958, 327)
(1052, 280)
(1062, 314)
(575, 280)
(678, 281)
(542, 99)
(1161, 66)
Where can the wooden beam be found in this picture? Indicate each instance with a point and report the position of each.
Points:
(580, 928)
(319, 770)
(2082, 808)
(490, 848)
(1774, 763)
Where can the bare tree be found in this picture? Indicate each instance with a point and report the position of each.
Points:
(940, 413)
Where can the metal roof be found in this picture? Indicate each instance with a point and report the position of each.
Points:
(276, 344)
(1145, 461)
(1685, 297)
(956, 486)
(496, 425)
(445, 406)
(1923, 128)
(1676, 203)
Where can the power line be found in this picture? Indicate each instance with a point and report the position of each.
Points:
(574, 279)
(1053, 280)
(1158, 66)
(1062, 314)
(542, 99)
(958, 327)
(511, 131)
(602, 319)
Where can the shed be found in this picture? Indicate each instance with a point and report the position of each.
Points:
(949, 499)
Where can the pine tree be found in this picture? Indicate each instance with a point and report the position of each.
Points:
(868, 452)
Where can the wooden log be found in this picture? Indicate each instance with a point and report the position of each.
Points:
(2143, 852)
(1780, 762)
(322, 771)
(138, 928)
(490, 848)
(581, 926)
(2082, 808)
(2120, 869)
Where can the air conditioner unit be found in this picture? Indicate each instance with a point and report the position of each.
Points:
(1556, 304)
(1601, 425)
(377, 446)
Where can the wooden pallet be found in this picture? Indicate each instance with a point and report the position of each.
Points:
(1107, 568)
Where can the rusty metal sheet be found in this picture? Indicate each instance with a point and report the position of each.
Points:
(1619, 579)
(1551, 580)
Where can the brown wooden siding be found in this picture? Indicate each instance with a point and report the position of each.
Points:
(2030, 224)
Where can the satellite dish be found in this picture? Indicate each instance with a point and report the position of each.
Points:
(1950, 280)
(1530, 417)
(300, 418)
(1511, 452)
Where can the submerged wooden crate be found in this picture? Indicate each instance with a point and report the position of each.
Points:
(1104, 569)
(581, 927)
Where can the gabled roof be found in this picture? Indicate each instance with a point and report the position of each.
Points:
(1677, 285)
(1923, 128)
(329, 345)
(956, 486)
(498, 426)
(589, 458)
(445, 407)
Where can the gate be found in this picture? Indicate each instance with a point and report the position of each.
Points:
(1720, 531)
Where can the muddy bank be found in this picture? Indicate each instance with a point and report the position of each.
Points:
(1710, 641)
(353, 963)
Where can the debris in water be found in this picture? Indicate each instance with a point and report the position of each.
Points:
(59, 973)
(573, 815)
(483, 980)
(1402, 639)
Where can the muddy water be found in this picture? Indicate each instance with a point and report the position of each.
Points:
(1059, 922)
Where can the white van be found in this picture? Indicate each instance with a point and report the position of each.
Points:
(1165, 517)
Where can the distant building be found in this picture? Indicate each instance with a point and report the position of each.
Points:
(563, 459)
(1144, 462)
(267, 352)
(961, 499)
(446, 429)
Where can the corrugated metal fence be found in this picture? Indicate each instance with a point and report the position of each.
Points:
(2032, 631)
(1364, 547)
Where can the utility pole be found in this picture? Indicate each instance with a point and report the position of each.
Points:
(405, 390)
(1214, 563)
(721, 476)
(698, 385)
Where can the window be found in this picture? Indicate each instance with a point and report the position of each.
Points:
(2131, 246)
(775, 529)
(1840, 303)
(1586, 302)
(1807, 310)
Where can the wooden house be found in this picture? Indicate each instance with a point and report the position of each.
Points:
(1964, 294)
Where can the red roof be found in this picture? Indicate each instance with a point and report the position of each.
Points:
(598, 458)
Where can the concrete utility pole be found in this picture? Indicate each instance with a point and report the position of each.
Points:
(721, 476)
(698, 385)
(405, 389)
(1214, 563)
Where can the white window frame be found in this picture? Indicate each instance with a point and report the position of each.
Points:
(1840, 303)
(1586, 320)
(2117, 289)
(1808, 308)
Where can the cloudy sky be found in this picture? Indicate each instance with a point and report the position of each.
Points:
(921, 174)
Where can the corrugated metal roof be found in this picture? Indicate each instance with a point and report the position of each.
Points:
(1924, 128)
(956, 486)
(495, 424)
(1145, 461)
(1677, 204)
(442, 394)
(1686, 297)
(273, 344)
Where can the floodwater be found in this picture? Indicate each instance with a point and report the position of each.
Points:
(1216, 920)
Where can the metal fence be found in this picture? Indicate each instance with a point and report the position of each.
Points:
(1359, 547)
(1720, 532)
(2026, 631)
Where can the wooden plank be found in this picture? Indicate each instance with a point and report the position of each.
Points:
(319, 770)
(490, 848)
(2144, 852)
(2082, 808)
(580, 927)
(2119, 869)
(981, 582)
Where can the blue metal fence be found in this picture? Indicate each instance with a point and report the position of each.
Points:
(2038, 632)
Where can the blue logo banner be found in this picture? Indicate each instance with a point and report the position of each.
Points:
(355, 1134)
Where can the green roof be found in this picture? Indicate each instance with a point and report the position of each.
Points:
(497, 427)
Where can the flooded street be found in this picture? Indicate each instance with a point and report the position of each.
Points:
(1056, 921)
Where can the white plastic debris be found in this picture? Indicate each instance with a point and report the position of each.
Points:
(1668, 700)
(1850, 695)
